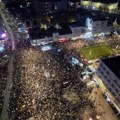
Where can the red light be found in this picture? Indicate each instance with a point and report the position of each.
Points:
(62, 40)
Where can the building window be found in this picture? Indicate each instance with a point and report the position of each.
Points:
(118, 99)
(105, 76)
(115, 81)
(103, 68)
(113, 85)
(107, 72)
(109, 89)
(99, 69)
(108, 80)
(116, 90)
(113, 93)
(102, 72)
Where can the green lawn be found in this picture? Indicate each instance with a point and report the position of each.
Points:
(96, 52)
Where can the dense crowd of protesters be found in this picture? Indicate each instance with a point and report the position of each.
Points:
(114, 42)
(40, 83)
(3, 78)
(38, 88)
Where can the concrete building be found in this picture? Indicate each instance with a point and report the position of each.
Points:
(110, 6)
(47, 7)
(109, 72)
(76, 30)
(38, 36)
(101, 26)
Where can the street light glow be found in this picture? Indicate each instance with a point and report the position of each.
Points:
(3, 35)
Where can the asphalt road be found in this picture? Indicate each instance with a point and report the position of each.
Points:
(4, 114)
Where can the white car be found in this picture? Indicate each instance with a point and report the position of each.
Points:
(91, 68)
(46, 42)
(46, 47)
(74, 61)
(84, 77)
(90, 83)
(97, 83)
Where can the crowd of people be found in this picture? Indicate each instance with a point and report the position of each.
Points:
(114, 42)
(38, 88)
(39, 85)
(3, 78)
(43, 87)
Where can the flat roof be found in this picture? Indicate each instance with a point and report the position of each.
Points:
(49, 0)
(37, 33)
(105, 1)
(113, 64)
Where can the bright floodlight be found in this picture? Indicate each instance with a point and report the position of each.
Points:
(3, 35)
(46, 48)
(2, 47)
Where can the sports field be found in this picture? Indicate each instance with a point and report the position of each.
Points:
(96, 52)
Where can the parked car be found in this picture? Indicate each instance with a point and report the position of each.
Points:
(73, 61)
(46, 47)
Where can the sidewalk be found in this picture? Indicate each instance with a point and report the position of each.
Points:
(102, 106)
(4, 114)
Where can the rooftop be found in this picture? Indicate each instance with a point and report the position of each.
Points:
(37, 33)
(105, 1)
(49, 0)
(113, 64)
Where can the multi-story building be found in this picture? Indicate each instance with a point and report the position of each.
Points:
(109, 72)
(110, 6)
(47, 7)
(76, 30)
(101, 26)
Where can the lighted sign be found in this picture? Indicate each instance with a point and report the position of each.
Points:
(2, 47)
(89, 36)
(89, 23)
(3, 35)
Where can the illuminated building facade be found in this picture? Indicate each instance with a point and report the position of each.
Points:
(89, 24)
(109, 72)
(101, 26)
(103, 5)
